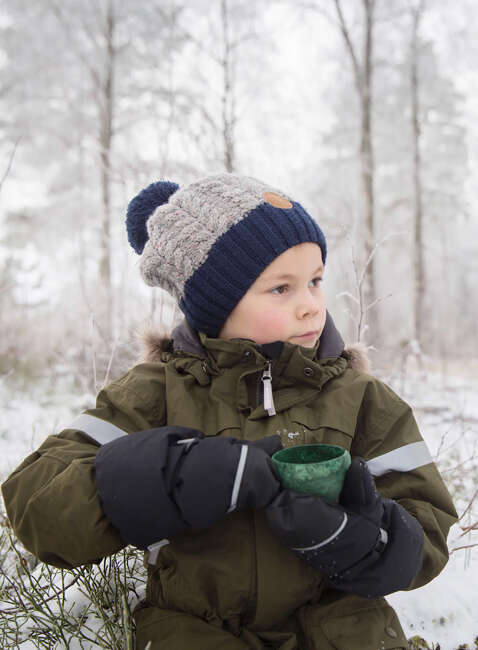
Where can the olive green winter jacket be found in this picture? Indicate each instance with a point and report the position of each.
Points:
(235, 586)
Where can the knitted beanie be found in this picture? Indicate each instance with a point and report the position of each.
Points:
(207, 243)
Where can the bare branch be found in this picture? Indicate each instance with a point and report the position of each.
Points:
(377, 300)
(459, 548)
(468, 529)
(316, 8)
(110, 361)
(9, 164)
(25, 608)
(68, 28)
(347, 294)
(375, 249)
(469, 505)
(349, 45)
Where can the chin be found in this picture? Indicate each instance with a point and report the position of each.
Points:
(308, 343)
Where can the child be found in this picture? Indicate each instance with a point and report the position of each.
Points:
(236, 562)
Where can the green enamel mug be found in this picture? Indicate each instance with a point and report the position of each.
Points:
(313, 469)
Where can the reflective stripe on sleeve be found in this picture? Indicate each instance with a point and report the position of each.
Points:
(96, 428)
(153, 550)
(403, 459)
(237, 481)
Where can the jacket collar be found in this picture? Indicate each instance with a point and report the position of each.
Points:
(185, 343)
(292, 365)
(297, 372)
(187, 340)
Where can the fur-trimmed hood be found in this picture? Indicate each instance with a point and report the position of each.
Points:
(184, 339)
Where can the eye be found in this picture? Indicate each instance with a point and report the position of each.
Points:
(280, 290)
(317, 281)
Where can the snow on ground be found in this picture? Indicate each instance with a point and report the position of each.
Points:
(27, 419)
(444, 611)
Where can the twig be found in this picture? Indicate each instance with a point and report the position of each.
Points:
(357, 68)
(459, 548)
(445, 470)
(469, 505)
(110, 361)
(362, 309)
(24, 608)
(9, 165)
(92, 332)
(441, 445)
(377, 300)
(468, 529)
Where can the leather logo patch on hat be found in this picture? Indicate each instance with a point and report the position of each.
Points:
(276, 200)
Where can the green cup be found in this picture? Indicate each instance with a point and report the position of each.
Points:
(313, 469)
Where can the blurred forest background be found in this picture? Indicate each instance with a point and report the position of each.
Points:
(363, 110)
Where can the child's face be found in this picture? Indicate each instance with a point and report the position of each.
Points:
(285, 303)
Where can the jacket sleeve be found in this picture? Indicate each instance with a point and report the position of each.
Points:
(52, 499)
(388, 438)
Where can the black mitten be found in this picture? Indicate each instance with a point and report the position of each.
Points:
(158, 483)
(367, 545)
(218, 475)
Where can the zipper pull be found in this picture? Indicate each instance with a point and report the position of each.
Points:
(268, 398)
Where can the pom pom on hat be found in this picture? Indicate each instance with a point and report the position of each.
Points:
(142, 207)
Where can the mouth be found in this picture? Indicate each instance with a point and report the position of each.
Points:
(308, 335)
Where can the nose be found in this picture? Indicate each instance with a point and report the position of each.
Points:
(308, 304)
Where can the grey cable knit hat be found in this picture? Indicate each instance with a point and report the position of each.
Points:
(208, 242)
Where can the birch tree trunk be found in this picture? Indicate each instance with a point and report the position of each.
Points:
(99, 62)
(363, 76)
(228, 103)
(233, 43)
(105, 110)
(419, 270)
(366, 152)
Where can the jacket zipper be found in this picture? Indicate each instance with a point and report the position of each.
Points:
(267, 383)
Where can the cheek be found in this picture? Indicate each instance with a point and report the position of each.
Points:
(269, 325)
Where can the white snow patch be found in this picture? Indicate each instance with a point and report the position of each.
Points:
(445, 611)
